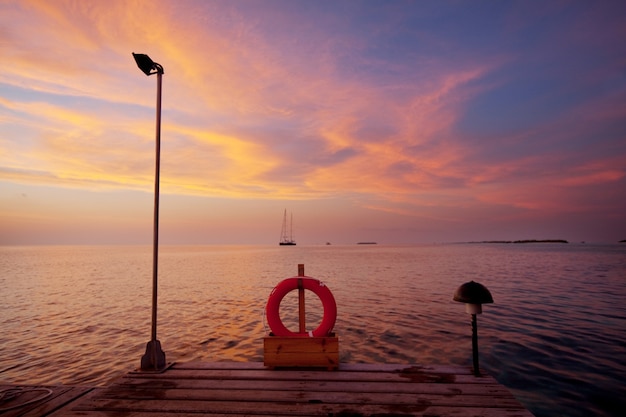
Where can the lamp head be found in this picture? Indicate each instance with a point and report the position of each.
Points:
(147, 65)
(474, 295)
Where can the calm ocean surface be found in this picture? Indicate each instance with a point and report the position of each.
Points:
(555, 336)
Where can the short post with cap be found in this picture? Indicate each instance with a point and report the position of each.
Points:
(474, 295)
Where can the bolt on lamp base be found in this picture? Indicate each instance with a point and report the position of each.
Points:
(154, 358)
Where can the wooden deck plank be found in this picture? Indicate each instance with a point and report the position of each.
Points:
(250, 389)
(174, 395)
(410, 375)
(321, 386)
(415, 408)
(351, 367)
(360, 412)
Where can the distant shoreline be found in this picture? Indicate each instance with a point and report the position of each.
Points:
(524, 241)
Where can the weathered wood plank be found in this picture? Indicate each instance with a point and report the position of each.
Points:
(351, 367)
(310, 375)
(318, 386)
(419, 407)
(261, 395)
(361, 412)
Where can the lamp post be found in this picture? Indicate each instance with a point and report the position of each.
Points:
(154, 358)
(474, 295)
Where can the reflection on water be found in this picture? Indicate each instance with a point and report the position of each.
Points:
(81, 315)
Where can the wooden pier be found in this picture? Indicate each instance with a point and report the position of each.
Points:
(250, 389)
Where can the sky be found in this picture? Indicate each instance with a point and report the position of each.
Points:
(399, 122)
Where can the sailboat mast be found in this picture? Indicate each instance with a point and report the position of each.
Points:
(286, 238)
(283, 231)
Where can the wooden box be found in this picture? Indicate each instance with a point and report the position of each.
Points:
(319, 352)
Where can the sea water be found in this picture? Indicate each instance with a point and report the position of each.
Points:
(555, 334)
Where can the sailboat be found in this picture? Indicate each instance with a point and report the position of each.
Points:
(287, 240)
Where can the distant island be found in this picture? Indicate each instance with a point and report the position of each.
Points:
(524, 241)
(366, 243)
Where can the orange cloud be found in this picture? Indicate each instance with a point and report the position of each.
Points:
(216, 79)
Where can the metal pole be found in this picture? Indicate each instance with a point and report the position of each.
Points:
(475, 345)
(154, 358)
(155, 244)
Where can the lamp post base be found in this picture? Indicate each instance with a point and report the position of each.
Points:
(154, 358)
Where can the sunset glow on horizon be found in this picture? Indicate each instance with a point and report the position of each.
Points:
(392, 121)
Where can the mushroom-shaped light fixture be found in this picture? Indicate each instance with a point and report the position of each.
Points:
(474, 295)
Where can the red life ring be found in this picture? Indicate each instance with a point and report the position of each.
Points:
(278, 293)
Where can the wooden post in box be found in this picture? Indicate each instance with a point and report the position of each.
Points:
(301, 349)
(301, 313)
